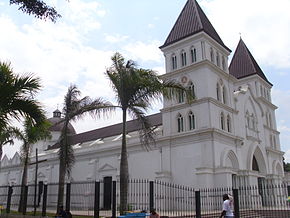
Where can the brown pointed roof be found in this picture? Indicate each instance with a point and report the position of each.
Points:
(191, 21)
(243, 63)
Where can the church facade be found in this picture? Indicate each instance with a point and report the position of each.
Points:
(226, 137)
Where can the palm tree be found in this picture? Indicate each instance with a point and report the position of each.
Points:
(17, 97)
(74, 109)
(29, 136)
(135, 89)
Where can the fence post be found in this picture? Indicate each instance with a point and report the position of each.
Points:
(197, 204)
(114, 199)
(151, 195)
(44, 200)
(25, 200)
(67, 197)
(236, 203)
(97, 200)
(10, 191)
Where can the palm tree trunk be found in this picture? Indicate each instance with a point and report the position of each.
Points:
(23, 184)
(61, 181)
(124, 174)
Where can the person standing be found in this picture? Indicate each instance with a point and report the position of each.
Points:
(227, 207)
(153, 214)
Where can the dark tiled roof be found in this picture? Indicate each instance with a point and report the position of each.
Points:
(113, 130)
(191, 21)
(57, 125)
(243, 63)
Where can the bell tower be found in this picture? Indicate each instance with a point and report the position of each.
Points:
(196, 56)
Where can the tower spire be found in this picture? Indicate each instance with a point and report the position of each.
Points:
(244, 64)
(192, 20)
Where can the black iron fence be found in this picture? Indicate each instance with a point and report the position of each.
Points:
(102, 198)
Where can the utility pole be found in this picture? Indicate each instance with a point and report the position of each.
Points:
(35, 178)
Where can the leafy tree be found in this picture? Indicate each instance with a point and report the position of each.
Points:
(29, 136)
(37, 8)
(286, 166)
(135, 89)
(17, 97)
(74, 109)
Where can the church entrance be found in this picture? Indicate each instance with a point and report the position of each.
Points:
(261, 189)
(40, 191)
(107, 192)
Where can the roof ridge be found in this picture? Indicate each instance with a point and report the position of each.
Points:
(198, 17)
(190, 21)
(243, 64)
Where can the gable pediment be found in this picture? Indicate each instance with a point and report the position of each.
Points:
(16, 159)
(5, 161)
(107, 167)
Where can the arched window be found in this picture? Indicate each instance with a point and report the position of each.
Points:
(180, 96)
(193, 54)
(218, 59)
(224, 95)
(191, 87)
(255, 165)
(274, 141)
(223, 63)
(191, 120)
(183, 58)
(180, 127)
(174, 62)
(228, 123)
(211, 55)
(252, 124)
(218, 92)
(270, 121)
(222, 120)
(248, 119)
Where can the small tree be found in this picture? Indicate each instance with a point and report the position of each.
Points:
(74, 108)
(29, 136)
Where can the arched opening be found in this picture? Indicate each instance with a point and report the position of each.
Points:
(174, 62)
(218, 92)
(211, 55)
(222, 121)
(193, 54)
(191, 87)
(180, 123)
(191, 119)
(229, 123)
(183, 58)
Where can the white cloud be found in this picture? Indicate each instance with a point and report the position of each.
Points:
(144, 51)
(262, 23)
(150, 26)
(101, 13)
(116, 38)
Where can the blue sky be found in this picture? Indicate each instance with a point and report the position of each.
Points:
(77, 49)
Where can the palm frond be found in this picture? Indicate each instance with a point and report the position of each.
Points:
(146, 131)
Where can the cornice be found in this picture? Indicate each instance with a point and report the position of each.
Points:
(179, 106)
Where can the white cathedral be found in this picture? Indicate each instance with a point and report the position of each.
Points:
(226, 137)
